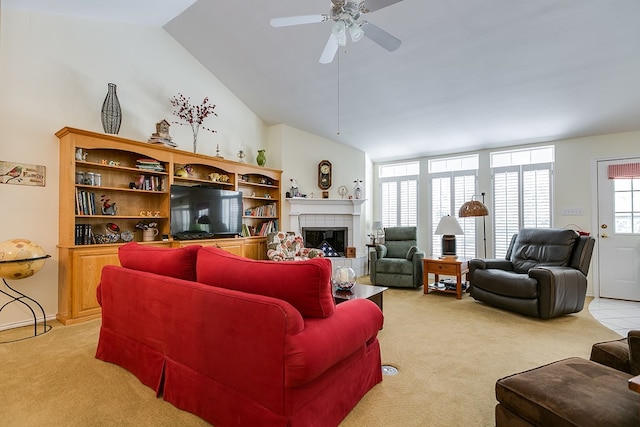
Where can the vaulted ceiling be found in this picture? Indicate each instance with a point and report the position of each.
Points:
(469, 74)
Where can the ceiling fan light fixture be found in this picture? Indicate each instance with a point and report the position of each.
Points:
(339, 30)
(355, 32)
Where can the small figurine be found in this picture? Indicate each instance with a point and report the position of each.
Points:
(357, 189)
(294, 188)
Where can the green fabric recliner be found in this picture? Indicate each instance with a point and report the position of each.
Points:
(397, 262)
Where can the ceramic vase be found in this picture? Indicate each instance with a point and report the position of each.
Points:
(261, 159)
(111, 112)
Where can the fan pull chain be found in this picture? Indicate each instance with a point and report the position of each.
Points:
(338, 85)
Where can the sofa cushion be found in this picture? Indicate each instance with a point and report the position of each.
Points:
(394, 266)
(306, 285)
(506, 283)
(542, 247)
(179, 263)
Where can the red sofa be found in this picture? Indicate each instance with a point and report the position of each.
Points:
(238, 342)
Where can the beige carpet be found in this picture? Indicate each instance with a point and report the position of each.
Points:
(449, 354)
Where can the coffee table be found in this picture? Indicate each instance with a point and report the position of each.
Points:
(370, 292)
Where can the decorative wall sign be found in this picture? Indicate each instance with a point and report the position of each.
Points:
(22, 174)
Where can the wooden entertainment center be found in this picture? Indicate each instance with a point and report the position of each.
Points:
(135, 177)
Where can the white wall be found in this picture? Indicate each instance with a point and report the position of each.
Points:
(300, 153)
(54, 73)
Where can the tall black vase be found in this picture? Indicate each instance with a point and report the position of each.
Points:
(111, 112)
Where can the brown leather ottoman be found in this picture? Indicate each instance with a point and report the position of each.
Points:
(571, 392)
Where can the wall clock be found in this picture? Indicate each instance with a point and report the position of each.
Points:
(324, 174)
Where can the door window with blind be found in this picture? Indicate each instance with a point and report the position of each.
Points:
(453, 182)
(522, 193)
(399, 194)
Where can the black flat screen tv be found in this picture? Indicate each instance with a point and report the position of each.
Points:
(202, 212)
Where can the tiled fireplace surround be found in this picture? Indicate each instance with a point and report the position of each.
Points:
(333, 213)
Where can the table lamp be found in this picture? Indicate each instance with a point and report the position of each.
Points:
(448, 228)
(375, 228)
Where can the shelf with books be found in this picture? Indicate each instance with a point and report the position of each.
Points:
(259, 228)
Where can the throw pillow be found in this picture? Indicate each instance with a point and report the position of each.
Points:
(179, 263)
(306, 285)
(412, 250)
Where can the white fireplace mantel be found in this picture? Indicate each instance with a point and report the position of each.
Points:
(313, 206)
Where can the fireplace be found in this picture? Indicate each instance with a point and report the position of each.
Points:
(314, 237)
(341, 222)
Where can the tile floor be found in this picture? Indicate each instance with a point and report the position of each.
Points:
(617, 315)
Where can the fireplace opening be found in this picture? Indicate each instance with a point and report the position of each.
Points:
(314, 237)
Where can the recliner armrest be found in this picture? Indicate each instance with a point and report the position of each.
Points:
(558, 289)
(484, 264)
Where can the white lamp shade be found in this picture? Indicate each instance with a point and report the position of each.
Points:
(448, 226)
(355, 32)
(377, 225)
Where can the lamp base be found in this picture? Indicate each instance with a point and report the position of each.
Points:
(449, 246)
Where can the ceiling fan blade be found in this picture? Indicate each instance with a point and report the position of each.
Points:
(297, 20)
(330, 50)
(373, 5)
(380, 36)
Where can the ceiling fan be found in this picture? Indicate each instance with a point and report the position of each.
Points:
(346, 14)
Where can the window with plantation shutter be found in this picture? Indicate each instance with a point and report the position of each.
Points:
(399, 194)
(522, 193)
(453, 182)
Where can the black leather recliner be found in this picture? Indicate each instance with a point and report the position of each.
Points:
(544, 273)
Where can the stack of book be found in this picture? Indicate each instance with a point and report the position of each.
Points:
(164, 139)
(149, 165)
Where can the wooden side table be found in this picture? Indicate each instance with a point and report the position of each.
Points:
(448, 267)
(370, 246)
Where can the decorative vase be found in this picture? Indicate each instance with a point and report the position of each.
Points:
(344, 278)
(196, 129)
(109, 210)
(261, 159)
(111, 112)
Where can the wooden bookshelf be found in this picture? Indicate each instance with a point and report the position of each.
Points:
(136, 176)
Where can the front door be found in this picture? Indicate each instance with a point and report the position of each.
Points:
(618, 234)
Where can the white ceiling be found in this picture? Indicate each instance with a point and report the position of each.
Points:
(145, 12)
(469, 74)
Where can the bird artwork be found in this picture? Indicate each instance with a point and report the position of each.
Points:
(14, 173)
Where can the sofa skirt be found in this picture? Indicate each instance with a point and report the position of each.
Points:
(325, 402)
